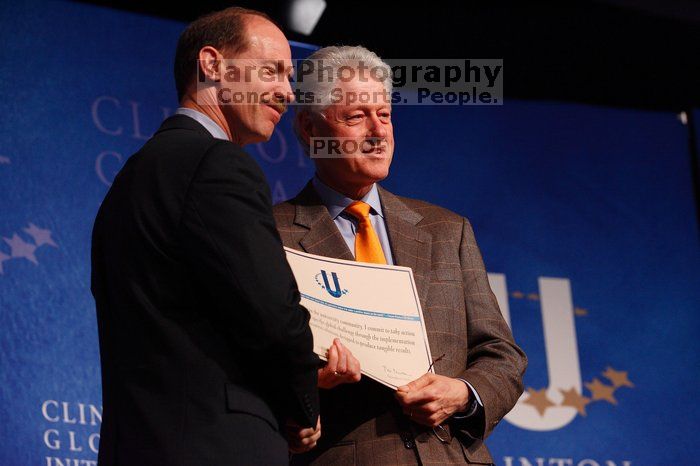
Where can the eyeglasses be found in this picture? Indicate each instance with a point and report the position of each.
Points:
(430, 367)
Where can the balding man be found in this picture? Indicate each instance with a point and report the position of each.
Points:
(206, 352)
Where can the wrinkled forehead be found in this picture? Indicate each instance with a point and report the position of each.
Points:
(367, 94)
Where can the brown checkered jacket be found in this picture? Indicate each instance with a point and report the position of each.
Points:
(362, 423)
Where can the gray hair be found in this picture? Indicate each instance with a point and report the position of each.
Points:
(331, 60)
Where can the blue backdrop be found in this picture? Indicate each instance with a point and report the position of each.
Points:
(582, 213)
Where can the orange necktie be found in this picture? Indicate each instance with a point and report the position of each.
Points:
(367, 245)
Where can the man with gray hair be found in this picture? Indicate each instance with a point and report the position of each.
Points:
(442, 417)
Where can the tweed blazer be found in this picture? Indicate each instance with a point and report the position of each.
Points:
(362, 423)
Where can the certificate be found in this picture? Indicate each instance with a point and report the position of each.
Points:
(374, 309)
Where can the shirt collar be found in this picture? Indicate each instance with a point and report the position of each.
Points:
(210, 125)
(336, 202)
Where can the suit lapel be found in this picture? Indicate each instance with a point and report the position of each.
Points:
(410, 246)
(323, 237)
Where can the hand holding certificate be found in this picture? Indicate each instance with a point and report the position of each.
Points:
(373, 309)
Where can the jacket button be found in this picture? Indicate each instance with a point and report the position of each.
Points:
(407, 440)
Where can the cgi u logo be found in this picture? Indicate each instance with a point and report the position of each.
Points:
(337, 292)
(561, 349)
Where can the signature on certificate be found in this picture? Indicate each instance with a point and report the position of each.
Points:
(394, 374)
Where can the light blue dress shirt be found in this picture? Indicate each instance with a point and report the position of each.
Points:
(210, 125)
(336, 203)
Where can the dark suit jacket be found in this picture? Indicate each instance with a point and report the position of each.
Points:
(362, 423)
(203, 342)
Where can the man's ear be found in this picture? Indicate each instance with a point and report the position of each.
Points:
(209, 65)
(305, 126)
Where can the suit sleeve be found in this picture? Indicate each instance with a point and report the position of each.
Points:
(495, 364)
(229, 238)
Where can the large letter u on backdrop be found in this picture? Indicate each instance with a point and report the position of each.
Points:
(561, 349)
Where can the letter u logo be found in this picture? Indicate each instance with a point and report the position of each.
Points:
(561, 350)
(336, 293)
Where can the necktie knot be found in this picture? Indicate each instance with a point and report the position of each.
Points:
(359, 210)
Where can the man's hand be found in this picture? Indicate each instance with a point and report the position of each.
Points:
(432, 399)
(302, 439)
(342, 367)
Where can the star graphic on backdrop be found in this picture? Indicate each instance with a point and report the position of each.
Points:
(518, 294)
(3, 258)
(618, 378)
(4, 160)
(600, 391)
(575, 400)
(21, 248)
(40, 235)
(538, 399)
(533, 296)
(579, 311)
